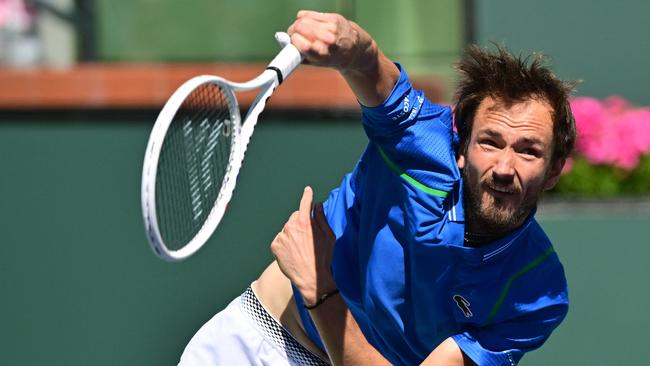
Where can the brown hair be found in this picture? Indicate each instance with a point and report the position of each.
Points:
(510, 80)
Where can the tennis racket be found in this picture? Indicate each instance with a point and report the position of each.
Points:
(194, 154)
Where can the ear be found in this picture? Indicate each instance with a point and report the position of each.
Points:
(554, 174)
(461, 161)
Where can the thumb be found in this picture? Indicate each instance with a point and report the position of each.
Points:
(304, 210)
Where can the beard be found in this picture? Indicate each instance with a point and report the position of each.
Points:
(490, 215)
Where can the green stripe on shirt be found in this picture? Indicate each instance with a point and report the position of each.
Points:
(504, 293)
(410, 179)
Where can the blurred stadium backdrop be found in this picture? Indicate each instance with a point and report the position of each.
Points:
(80, 86)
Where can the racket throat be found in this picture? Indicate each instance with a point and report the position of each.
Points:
(278, 73)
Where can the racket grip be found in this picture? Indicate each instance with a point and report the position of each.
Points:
(286, 61)
(282, 38)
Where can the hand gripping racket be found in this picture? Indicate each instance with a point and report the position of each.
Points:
(194, 154)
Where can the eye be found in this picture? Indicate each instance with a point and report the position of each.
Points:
(488, 143)
(530, 151)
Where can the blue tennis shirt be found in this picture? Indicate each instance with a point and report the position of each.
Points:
(399, 260)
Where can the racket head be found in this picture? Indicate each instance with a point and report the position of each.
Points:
(190, 167)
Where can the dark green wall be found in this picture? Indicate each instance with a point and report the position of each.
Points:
(80, 286)
(168, 30)
(207, 30)
(601, 42)
(605, 43)
(77, 278)
(606, 260)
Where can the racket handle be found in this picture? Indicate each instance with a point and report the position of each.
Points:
(287, 60)
(282, 38)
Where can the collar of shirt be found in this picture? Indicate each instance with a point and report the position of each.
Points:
(496, 248)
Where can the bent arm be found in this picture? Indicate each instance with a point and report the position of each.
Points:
(346, 344)
(343, 339)
(303, 250)
(372, 86)
(330, 40)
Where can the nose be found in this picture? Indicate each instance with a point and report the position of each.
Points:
(504, 170)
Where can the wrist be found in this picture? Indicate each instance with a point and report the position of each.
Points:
(324, 297)
(312, 294)
(365, 57)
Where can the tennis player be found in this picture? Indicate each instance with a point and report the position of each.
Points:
(428, 252)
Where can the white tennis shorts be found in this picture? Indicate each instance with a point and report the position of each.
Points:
(244, 333)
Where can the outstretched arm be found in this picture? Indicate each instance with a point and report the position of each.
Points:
(330, 40)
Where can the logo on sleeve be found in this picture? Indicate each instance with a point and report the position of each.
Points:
(463, 305)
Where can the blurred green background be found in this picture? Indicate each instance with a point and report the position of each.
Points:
(78, 282)
(603, 43)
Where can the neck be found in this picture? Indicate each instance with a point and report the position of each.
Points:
(479, 233)
(478, 239)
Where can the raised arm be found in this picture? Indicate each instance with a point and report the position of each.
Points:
(330, 40)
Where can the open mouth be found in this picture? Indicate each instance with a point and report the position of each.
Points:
(502, 190)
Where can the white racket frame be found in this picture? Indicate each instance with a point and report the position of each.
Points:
(278, 70)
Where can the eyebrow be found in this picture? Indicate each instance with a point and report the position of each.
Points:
(532, 140)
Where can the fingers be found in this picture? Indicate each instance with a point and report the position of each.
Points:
(307, 47)
(314, 41)
(314, 49)
(323, 17)
(277, 243)
(314, 30)
(315, 35)
(304, 212)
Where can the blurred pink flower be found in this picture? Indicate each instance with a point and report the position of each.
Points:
(15, 15)
(637, 124)
(611, 131)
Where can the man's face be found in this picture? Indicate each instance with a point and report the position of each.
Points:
(507, 163)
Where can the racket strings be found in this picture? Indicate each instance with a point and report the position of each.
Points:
(193, 164)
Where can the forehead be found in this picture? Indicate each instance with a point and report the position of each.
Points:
(530, 118)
